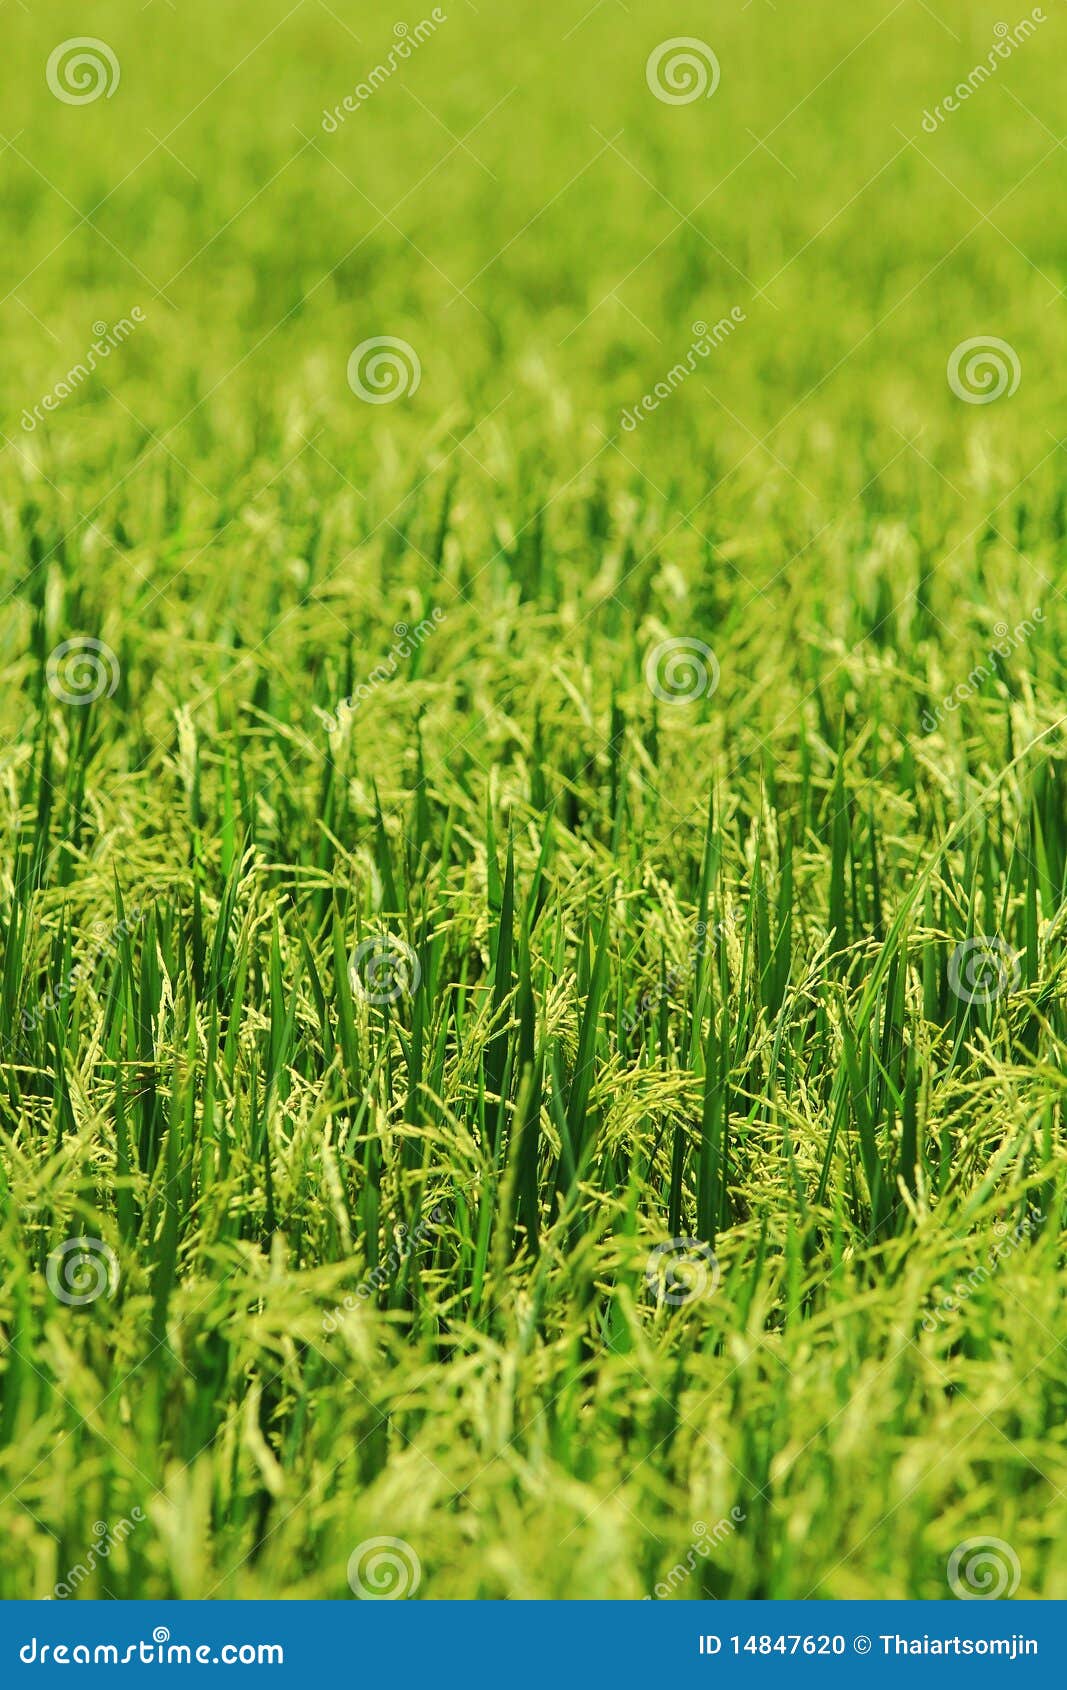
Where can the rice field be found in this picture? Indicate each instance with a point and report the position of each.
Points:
(533, 789)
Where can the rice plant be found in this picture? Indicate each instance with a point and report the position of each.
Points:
(534, 801)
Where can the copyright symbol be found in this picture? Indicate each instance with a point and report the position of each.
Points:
(862, 1645)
